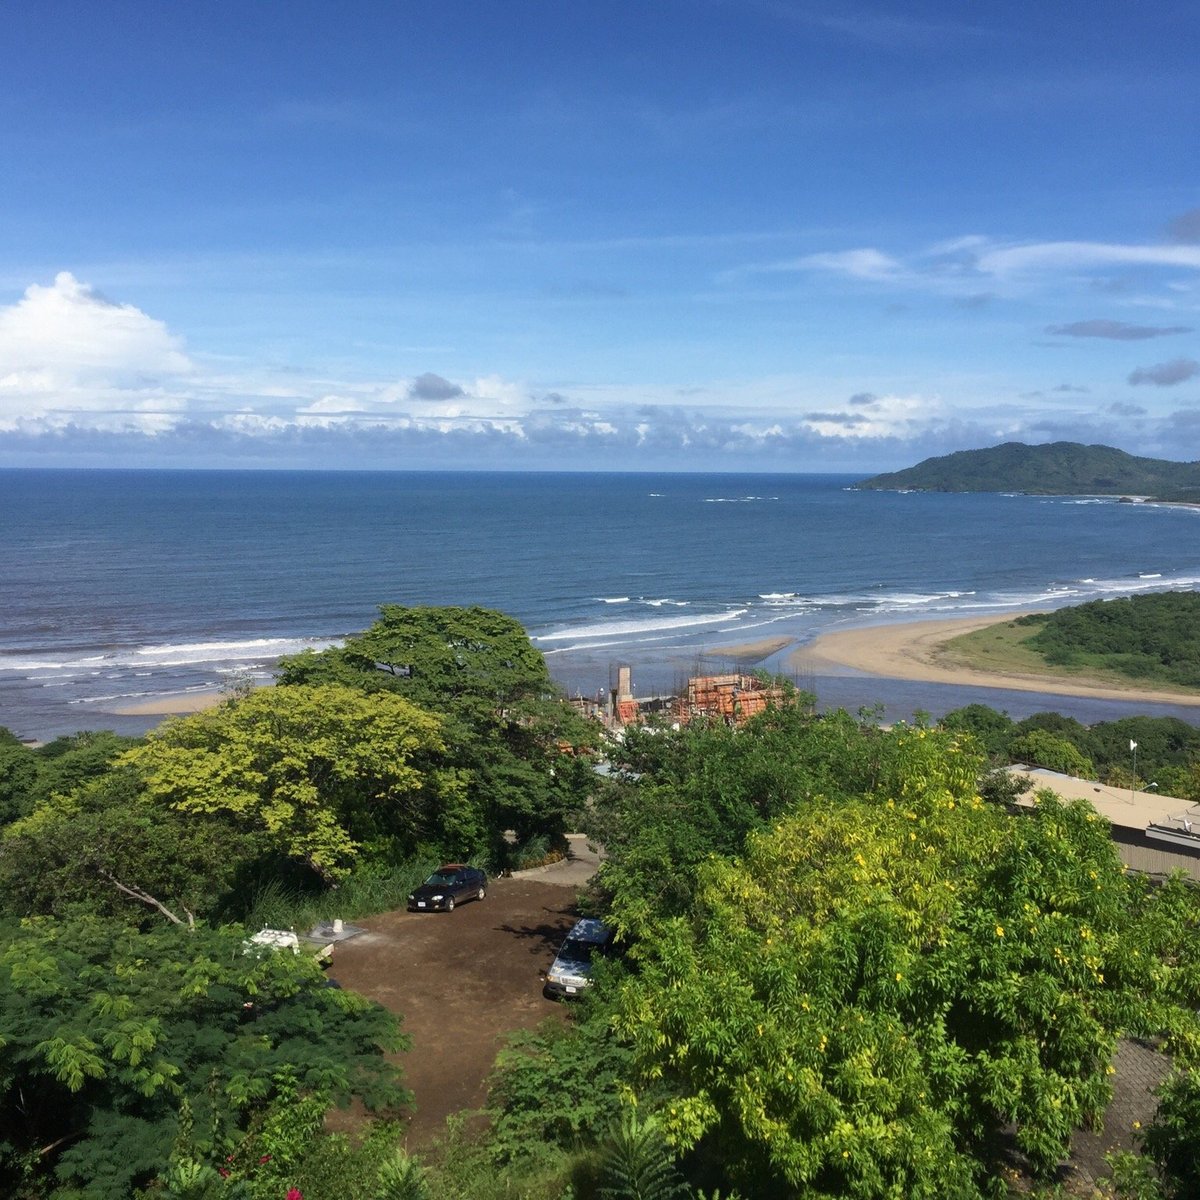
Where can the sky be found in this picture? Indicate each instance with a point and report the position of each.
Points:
(744, 235)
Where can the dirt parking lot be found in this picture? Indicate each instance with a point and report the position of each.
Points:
(461, 980)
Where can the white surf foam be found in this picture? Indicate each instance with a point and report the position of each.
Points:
(614, 629)
(166, 655)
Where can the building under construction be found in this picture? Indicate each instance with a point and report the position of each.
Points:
(732, 699)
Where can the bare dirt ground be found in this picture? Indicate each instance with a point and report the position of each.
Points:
(461, 980)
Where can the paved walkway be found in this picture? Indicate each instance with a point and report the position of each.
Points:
(1140, 1068)
(582, 862)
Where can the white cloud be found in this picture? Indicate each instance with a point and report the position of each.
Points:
(1043, 256)
(955, 266)
(68, 328)
(65, 349)
(863, 263)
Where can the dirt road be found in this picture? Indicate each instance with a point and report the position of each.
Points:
(461, 980)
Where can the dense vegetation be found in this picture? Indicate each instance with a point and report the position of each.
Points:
(1168, 749)
(850, 968)
(142, 1044)
(502, 723)
(1153, 639)
(1055, 469)
(849, 975)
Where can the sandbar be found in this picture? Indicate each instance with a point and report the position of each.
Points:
(752, 651)
(911, 650)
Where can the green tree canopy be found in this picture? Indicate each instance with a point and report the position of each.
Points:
(437, 657)
(107, 1036)
(1042, 749)
(861, 1003)
(318, 770)
(30, 774)
(993, 729)
(510, 735)
(105, 848)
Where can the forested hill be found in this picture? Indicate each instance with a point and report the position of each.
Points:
(1056, 469)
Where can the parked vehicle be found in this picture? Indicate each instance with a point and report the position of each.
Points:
(571, 971)
(449, 884)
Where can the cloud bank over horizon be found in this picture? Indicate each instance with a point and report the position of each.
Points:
(91, 379)
(697, 237)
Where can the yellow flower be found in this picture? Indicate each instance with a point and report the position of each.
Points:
(899, 977)
(999, 930)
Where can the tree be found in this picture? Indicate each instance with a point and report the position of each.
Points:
(993, 729)
(318, 770)
(865, 999)
(522, 753)
(113, 1041)
(29, 775)
(18, 774)
(1042, 749)
(436, 657)
(107, 849)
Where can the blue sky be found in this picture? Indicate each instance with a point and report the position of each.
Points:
(686, 234)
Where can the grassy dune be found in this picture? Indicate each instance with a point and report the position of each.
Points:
(1004, 650)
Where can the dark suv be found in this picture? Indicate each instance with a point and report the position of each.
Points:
(449, 884)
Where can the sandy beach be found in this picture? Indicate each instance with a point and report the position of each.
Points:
(911, 651)
(168, 706)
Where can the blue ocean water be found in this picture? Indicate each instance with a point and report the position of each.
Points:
(116, 586)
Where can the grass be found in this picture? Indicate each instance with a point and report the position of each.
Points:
(370, 890)
(1003, 649)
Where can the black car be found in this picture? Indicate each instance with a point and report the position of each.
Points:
(449, 884)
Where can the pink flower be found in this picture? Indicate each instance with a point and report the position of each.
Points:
(265, 1158)
(223, 1172)
(295, 1194)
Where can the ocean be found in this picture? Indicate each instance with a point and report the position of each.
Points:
(119, 586)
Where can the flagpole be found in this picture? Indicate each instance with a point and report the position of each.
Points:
(1133, 784)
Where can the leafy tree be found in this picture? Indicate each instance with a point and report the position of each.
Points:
(113, 1041)
(1170, 1139)
(1055, 723)
(318, 770)
(18, 775)
(69, 761)
(107, 850)
(31, 774)
(702, 788)
(1150, 637)
(1162, 742)
(434, 657)
(555, 1087)
(509, 734)
(993, 729)
(1042, 749)
(862, 1002)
